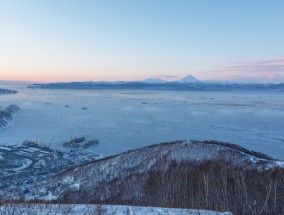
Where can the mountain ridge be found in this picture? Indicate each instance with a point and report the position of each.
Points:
(7, 115)
(6, 91)
(199, 86)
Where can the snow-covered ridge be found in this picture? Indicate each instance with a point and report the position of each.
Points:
(156, 157)
(76, 209)
(6, 91)
(184, 174)
(6, 115)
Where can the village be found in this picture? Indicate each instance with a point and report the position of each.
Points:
(30, 161)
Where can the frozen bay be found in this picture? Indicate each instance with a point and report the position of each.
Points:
(127, 119)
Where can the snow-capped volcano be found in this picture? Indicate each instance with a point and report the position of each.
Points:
(188, 79)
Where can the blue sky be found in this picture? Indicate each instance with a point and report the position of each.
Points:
(111, 40)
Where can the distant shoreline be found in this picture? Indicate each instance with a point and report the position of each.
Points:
(176, 86)
(6, 91)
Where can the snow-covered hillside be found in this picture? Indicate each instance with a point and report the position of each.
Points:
(77, 209)
(174, 174)
(6, 115)
(89, 178)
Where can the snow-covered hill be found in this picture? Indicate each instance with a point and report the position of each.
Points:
(175, 174)
(189, 79)
(89, 178)
(154, 81)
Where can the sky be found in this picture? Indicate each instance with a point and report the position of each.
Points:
(110, 40)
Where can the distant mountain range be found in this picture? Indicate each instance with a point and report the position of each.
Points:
(186, 80)
(187, 83)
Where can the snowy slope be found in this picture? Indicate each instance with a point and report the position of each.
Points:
(6, 115)
(89, 178)
(174, 174)
(76, 209)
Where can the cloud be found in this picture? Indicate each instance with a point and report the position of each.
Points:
(278, 60)
(256, 66)
(165, 77)
(268, 70)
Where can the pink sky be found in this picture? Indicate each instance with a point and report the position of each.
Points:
(270, 70)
